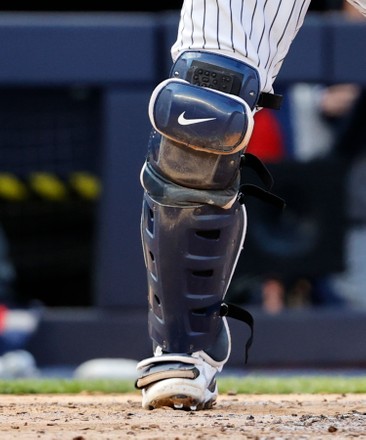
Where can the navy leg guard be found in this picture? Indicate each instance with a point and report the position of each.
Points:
(190, 254)
(192, 224)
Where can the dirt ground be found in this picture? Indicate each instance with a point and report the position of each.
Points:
(120, 416)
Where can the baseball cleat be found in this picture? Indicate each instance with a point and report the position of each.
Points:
(178, 381)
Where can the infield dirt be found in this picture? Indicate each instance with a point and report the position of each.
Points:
(120, 416)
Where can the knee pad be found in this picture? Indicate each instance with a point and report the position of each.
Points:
(202, 120)
(208, 103)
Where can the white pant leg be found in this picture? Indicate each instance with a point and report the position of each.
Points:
(258, 32)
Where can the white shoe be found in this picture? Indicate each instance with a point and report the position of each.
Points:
(179, 381)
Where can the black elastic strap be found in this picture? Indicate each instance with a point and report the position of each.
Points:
(249, 189)
(253, 162)
(233, 311)
(270, 100)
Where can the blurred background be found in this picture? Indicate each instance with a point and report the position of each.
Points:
(74, 90)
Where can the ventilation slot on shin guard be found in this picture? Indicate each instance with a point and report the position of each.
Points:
(210, 235)
(150, 219)
(203, 273)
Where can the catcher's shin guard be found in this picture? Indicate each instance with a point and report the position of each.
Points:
(193, 225)
(190, 255)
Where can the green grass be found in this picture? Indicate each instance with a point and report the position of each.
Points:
(254, 384)
(251, 384)
(64, 386)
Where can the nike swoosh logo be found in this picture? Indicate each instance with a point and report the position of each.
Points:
(183, 121)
